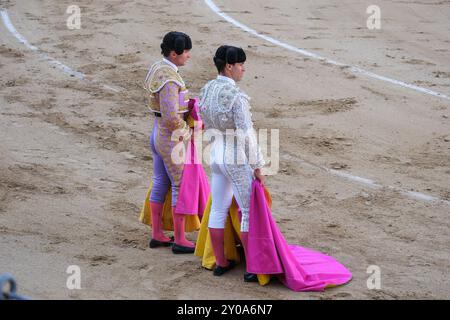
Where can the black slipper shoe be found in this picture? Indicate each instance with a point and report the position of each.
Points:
(218, 270)
(250, 277)
(177, 249)
(156, 243)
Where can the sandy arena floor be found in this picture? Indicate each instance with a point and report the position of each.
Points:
(75, 162)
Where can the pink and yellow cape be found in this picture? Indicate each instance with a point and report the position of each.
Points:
(299, 268)
(194, 187)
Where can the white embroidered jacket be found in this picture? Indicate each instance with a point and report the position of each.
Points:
(224, 107)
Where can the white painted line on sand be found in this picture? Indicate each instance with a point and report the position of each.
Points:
(61, 66)
(303, 52)
(367, 182)
(8, 24)
(360, 180)
(79, 75)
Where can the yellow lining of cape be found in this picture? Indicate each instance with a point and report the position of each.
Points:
(192, 222)
(232, 232)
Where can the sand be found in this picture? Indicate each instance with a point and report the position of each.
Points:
(75, 163)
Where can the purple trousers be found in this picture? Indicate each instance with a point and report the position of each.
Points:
(162, 180)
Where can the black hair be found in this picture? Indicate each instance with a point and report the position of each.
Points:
(175, 41)
(228, 54)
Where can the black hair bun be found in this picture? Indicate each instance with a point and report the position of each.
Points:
(228, 54)
(179, 45)
(175, 41)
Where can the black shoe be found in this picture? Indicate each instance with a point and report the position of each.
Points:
(177, 249)
(156, 243)
(218, 270)
(250, 277)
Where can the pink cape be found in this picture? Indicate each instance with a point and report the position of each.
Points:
(194, 187)
(300, 269)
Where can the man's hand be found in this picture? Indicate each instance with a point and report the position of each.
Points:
(259, 176)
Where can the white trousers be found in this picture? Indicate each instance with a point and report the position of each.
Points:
(228, 180)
